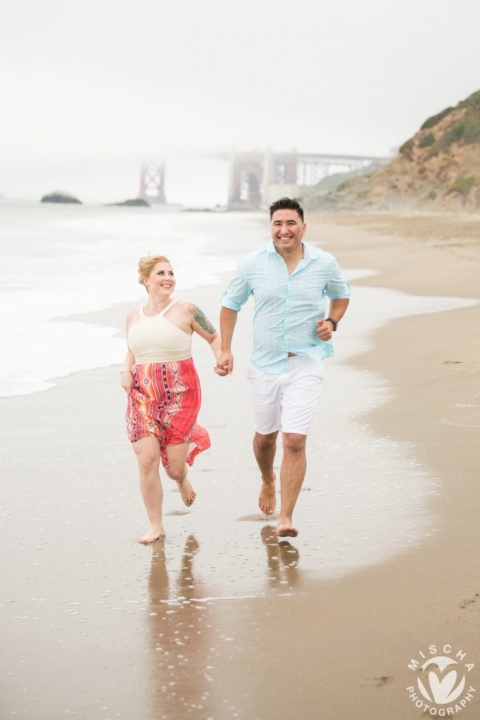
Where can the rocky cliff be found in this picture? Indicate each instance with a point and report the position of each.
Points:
(437, 169)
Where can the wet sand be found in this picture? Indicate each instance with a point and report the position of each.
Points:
(220, 620)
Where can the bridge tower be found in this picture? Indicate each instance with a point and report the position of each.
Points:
(152, 182)
(246, 178)
(280, 176)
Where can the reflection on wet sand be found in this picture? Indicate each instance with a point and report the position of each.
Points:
(187, 628)
(283, 559)
(180, 671)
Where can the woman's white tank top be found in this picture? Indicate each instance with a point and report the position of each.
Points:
(156, 339)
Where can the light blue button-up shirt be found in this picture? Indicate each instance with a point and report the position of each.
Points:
(287, 307)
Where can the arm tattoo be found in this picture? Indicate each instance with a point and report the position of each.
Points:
(204, 322)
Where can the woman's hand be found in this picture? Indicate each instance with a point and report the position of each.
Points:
(127, 381)
(224, 363)
(221, 370)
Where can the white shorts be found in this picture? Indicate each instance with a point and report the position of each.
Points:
(286, 402)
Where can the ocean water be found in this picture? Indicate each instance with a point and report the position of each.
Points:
(58, 261)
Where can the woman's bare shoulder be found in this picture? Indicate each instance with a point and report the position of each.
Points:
(132, 315)
(194, 311)
(183, 307)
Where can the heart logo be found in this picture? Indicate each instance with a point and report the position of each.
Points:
(441, 690)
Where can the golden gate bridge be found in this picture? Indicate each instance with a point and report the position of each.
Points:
(255, 179)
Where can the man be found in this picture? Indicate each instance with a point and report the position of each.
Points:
(290, 282)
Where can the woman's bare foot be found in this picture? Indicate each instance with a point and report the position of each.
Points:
(267, 500)
(155, 533)
(186, 491)
(191, 546)
(286, 529)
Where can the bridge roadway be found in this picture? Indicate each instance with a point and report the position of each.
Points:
(257, 177)
(303, 157)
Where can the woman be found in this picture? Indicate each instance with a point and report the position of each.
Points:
(163, 388)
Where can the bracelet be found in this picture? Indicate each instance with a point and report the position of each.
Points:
(334, 322)
(124, 371)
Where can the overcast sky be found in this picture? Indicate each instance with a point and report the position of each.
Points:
(109, 82)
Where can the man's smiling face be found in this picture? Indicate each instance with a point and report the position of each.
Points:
(287, 230)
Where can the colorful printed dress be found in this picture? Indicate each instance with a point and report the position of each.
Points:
(166, 396)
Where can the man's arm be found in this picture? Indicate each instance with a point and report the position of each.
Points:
(337, 310)
(235, 296)
(228, 319)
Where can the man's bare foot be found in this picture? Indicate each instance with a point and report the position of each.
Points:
(267, 500)
(186, 491)
(286, 529)
(155, 533)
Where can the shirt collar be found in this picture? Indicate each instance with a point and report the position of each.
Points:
(306, 254)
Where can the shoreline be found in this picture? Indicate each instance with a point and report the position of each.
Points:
(428, 595)
(123, 607)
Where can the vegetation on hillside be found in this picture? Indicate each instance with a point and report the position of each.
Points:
(438, 168)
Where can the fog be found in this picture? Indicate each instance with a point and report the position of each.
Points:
(91, 88)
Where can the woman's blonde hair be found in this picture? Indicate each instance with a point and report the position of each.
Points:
(146, 265)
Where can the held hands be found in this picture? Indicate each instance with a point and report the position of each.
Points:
(324, 330)
(224, 364)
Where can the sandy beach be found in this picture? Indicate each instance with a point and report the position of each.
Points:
(221, 621)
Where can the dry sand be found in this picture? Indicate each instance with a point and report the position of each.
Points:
(219, 621)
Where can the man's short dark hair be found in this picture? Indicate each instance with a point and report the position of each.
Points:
(286, 203)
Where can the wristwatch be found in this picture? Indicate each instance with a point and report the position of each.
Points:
(334, 323)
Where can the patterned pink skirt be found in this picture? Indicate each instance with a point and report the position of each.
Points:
(164, 402)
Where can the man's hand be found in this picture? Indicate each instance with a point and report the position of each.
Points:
(324, 330)
(224, 364)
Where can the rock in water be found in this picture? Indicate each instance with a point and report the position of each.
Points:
(136, 202)
(61, 197)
